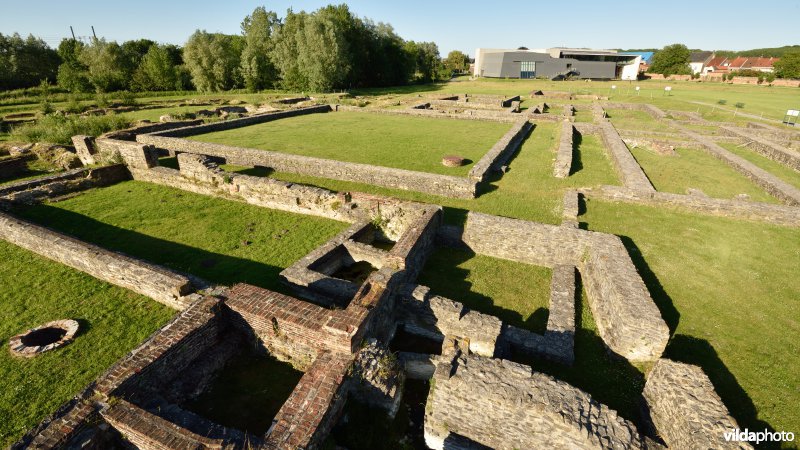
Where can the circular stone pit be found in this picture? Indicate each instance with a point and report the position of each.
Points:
(43, 338)
(453, 161)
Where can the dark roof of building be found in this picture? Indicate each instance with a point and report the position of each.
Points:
(700, 57)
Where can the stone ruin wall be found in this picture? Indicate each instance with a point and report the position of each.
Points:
(563, 163)
(627, 168)
(36, 190)
(445, 185)
(627, 318)
(505, 405)
(13, 166)
(242, 122)
(775, 186)
(468, 114)
(502, 151)
(764, 212)
(685, 409)
(153, 281)
(768, 149)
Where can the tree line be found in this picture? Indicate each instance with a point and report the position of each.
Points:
(323, 50)
(674, 60)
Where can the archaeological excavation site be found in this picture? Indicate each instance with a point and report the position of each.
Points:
(421, 271)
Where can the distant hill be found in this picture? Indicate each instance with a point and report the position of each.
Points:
(775, 52)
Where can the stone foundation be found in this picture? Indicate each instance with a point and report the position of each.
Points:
(768, 149)
(563, 162)
(685, 409)
(504, 405)
(147, 279)
(13, 165)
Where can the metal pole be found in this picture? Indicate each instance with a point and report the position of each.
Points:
(72, 31)
(93, 33)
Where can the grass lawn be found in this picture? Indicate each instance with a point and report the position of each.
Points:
(219, 240)
(35, 291)
(630, 119)
(779, 170)
(729, 291)
(403, 142)
(517, 293)
(697, 169)
(528, 191)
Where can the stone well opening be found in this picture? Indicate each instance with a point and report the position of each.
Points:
(44, 338)
(347, 263)
(375, 237)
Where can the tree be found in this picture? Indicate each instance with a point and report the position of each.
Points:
(107, 70)
(256, 66)
(789, 65)
(457, 61)
(26, 62)
(213, 60)
(159, 70)
(672, 60)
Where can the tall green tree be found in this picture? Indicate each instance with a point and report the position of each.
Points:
(213, 60)
(26, 62)
(105, 61)
(789, 65)
(456, 61)
(672, 60)
(160, 70)
(257, 69)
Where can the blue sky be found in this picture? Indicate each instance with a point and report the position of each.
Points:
(462, 25)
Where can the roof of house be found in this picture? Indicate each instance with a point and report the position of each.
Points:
(746, 63)
(719, 61)
(700, 57)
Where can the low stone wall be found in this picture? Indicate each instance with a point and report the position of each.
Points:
(444, 185)
(630, 172)
(769, 132)
(768, 149)
(33, 191)
(627, 318)
(769, 182)
(653, 111)
(467, 114)
(762, 212)
(563, 162)
(147, 279)
(745, 80)
(501, 151)
(685, 409)
(242, 122)
(786, 83)
(13, 166)
(474, 397)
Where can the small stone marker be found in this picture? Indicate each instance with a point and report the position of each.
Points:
(452, 161)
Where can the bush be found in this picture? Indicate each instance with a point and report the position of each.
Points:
(58, 129)
(73, 105)
(127, 98)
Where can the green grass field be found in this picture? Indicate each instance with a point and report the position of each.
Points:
(729, 292)
(528, 191)
(697, 169)
(218, 240)
(403, 142)
(517, 293)
(35, 291)
(779, 170)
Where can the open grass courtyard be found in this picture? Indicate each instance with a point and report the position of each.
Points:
(411, 143)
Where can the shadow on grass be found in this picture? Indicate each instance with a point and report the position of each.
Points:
(664, 302)
(699, 352)
(609, 379)
(445, 278)
(577, 164)
(494, 176)
(214, 267)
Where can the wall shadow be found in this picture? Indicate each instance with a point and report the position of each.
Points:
(577, 163)
(699, 352)
(211, 266)
(664, 302)
(442, 274)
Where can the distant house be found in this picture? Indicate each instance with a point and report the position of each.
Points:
(647, 58)
(760, 64)
(717, 65)
(699, 60)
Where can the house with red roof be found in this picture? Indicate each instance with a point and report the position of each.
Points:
(760, 64)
